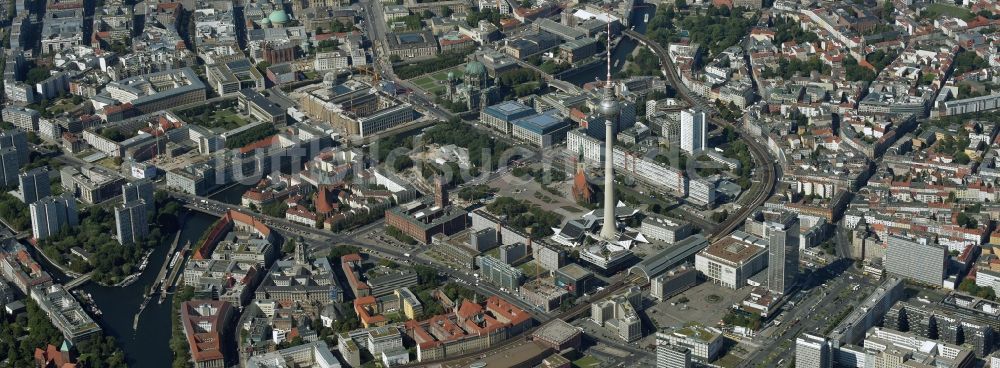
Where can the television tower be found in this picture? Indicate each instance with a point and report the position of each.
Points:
(610, 109)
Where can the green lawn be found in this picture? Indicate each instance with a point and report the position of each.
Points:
(586, 362)
(228, 117)
(443, 74)
(435, 89)
(530, 271)
(217, 117)
(429, 82)
(936, 9)
(422, 80)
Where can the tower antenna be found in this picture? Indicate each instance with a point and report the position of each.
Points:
(608, 84)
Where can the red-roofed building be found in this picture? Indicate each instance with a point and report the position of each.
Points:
(472, 327)
(350, 263)
(263, 143)
(583, 191)
(326, 199)
(369, 312)
(232, 219)
(53, 357)
(206, 327)
(507, 24)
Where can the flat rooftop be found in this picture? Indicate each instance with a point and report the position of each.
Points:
(733, 250)
(575, 271)
(509, 110)
(557, 331)
(543, 123)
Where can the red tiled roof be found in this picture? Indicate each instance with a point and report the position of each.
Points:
(51, 357)
(353, 257)
(204, 345)
(324, 200)
(167, 6)
(266, 142)
(361, 308)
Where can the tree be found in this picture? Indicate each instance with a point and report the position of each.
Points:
(338, 27)
(289, 247)
(680, 4)
(969, 286)
(887, 10)
(474, 16)
(339, 251)
(262, 67)
(966, 221)
(395, 58)
(856, 72)
(36, 74)
(446, 11)
(962, 158)
(720, 216)
(402, 163)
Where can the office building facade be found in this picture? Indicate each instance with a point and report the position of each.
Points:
(130, 222)
(671, 356)
(139, 190)
(10, 164)
(782, 252)
(33, 185)
(692, 131)
(812, 351)
(916, 259)
(51, 214)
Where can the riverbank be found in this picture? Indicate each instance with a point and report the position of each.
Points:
(146, 343)
(619, 55)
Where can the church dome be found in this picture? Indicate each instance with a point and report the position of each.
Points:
(475, 68)
(278, 17)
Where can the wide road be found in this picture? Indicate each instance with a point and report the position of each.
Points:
(829, 290)
(375, 30)
(761, 190)
(319, 239)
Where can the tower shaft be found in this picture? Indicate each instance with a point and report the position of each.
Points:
(608, 230)
(611, 110)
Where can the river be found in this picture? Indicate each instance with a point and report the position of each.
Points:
(148, 346)
(620, 53)
(232, 194)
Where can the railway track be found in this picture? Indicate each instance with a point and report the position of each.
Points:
(765, 164)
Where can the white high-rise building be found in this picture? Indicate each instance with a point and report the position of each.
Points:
(917, 259)
(812, 351)
(671, 356)
(50, 214)
(692, 131)
(33, 185)
(139, 190)
(782, 252)
(130, 222)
